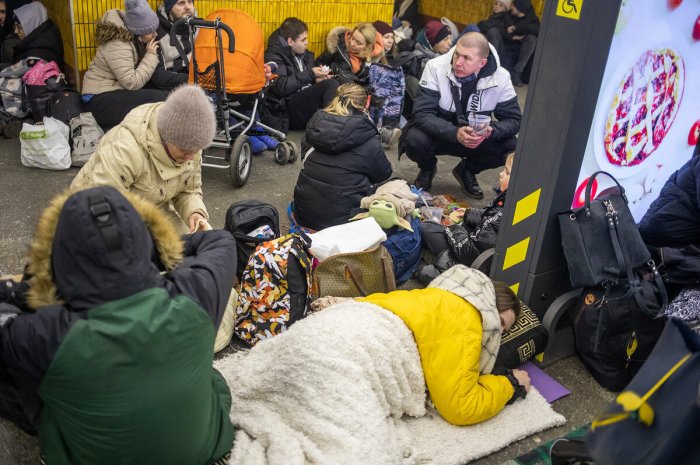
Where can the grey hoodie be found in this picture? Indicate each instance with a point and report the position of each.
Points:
(31, 16)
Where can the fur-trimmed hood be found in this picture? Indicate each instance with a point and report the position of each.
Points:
(334, 36)
(111, 27)
(97, 245)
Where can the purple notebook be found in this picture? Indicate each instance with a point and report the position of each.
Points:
(550, 389)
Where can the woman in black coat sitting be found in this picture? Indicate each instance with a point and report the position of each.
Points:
(38, 35)
(347, 158)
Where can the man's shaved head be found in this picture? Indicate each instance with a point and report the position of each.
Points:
(475, 40)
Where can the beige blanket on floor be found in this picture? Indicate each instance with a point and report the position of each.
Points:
(345, 386)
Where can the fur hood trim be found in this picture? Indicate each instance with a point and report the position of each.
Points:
(42, 290)
(334, 36)
(111, 27)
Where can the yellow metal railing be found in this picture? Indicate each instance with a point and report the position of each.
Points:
(464, 11)
(320, 15)
(76, 18)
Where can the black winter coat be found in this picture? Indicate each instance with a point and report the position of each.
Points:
(527, 25)
(347, 159)
(673, 219)
(77, 261)
(294, 73)
(500, 21)
(341, 66)
(478, 232)
(43, 42)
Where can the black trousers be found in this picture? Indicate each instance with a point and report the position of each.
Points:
(11, 407)
(303, 104)
(110, 108)
(521, 50)
(423, 149)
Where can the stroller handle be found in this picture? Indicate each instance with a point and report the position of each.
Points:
(196, 22)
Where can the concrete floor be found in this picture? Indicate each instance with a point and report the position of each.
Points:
(25, 192)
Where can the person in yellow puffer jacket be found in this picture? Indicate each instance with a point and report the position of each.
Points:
(457, 323)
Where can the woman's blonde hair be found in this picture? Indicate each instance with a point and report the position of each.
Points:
(348, 97)
(370, 34)
(509, 160)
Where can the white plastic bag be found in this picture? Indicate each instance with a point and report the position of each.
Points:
(85, 133)
(45, 145)
(355, 236)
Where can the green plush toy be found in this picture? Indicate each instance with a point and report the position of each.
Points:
(385, 214)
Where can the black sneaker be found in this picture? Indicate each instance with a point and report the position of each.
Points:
(468, 181)
(424, 180)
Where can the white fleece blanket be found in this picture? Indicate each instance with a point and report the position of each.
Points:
(345, 386)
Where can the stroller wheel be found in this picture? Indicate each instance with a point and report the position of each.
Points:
(294, 152)
(282, 153)
(241, 158)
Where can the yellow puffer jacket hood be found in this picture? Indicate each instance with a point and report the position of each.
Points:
(448, 333)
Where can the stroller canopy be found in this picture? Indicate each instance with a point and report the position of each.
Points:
(243, 68)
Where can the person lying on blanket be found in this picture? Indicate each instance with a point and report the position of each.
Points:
(457, 323)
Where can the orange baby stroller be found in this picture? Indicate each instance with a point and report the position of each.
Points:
(230, 67)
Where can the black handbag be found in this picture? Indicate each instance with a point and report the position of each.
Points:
(656, 420)
(601, 241)
(613, 333)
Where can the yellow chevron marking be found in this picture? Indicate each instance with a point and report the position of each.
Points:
(515, 288)
(527, 206)
(539, 357)
(516, 253)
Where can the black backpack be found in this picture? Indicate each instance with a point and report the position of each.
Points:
(613, 334)
(65, 105)
(244, 217)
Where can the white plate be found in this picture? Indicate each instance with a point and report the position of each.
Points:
(604, 108)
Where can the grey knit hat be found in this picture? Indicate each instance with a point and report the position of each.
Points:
(139, 19)
(187, 119)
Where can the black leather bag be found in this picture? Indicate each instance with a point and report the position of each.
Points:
(601, 241)
(614, 330)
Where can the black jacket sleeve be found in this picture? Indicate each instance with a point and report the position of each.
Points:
(462, 246)
(425, 115)
(207, 272)
(497, 20)
(379, 167)
(473, 217)
(14, 293)
(164, 79)
(529, 24)
(28, 343)
(288, 81)
(509, 117)
(465, 246)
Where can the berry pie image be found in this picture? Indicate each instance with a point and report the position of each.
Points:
(644, 107)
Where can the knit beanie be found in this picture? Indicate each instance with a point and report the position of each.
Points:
(435, 31)
(187, 119)
(395, 23)
(382, 27)
(169, 4)
(139, 19)
(523, 6)
(506, 3)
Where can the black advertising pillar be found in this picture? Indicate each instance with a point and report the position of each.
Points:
(570, 61)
